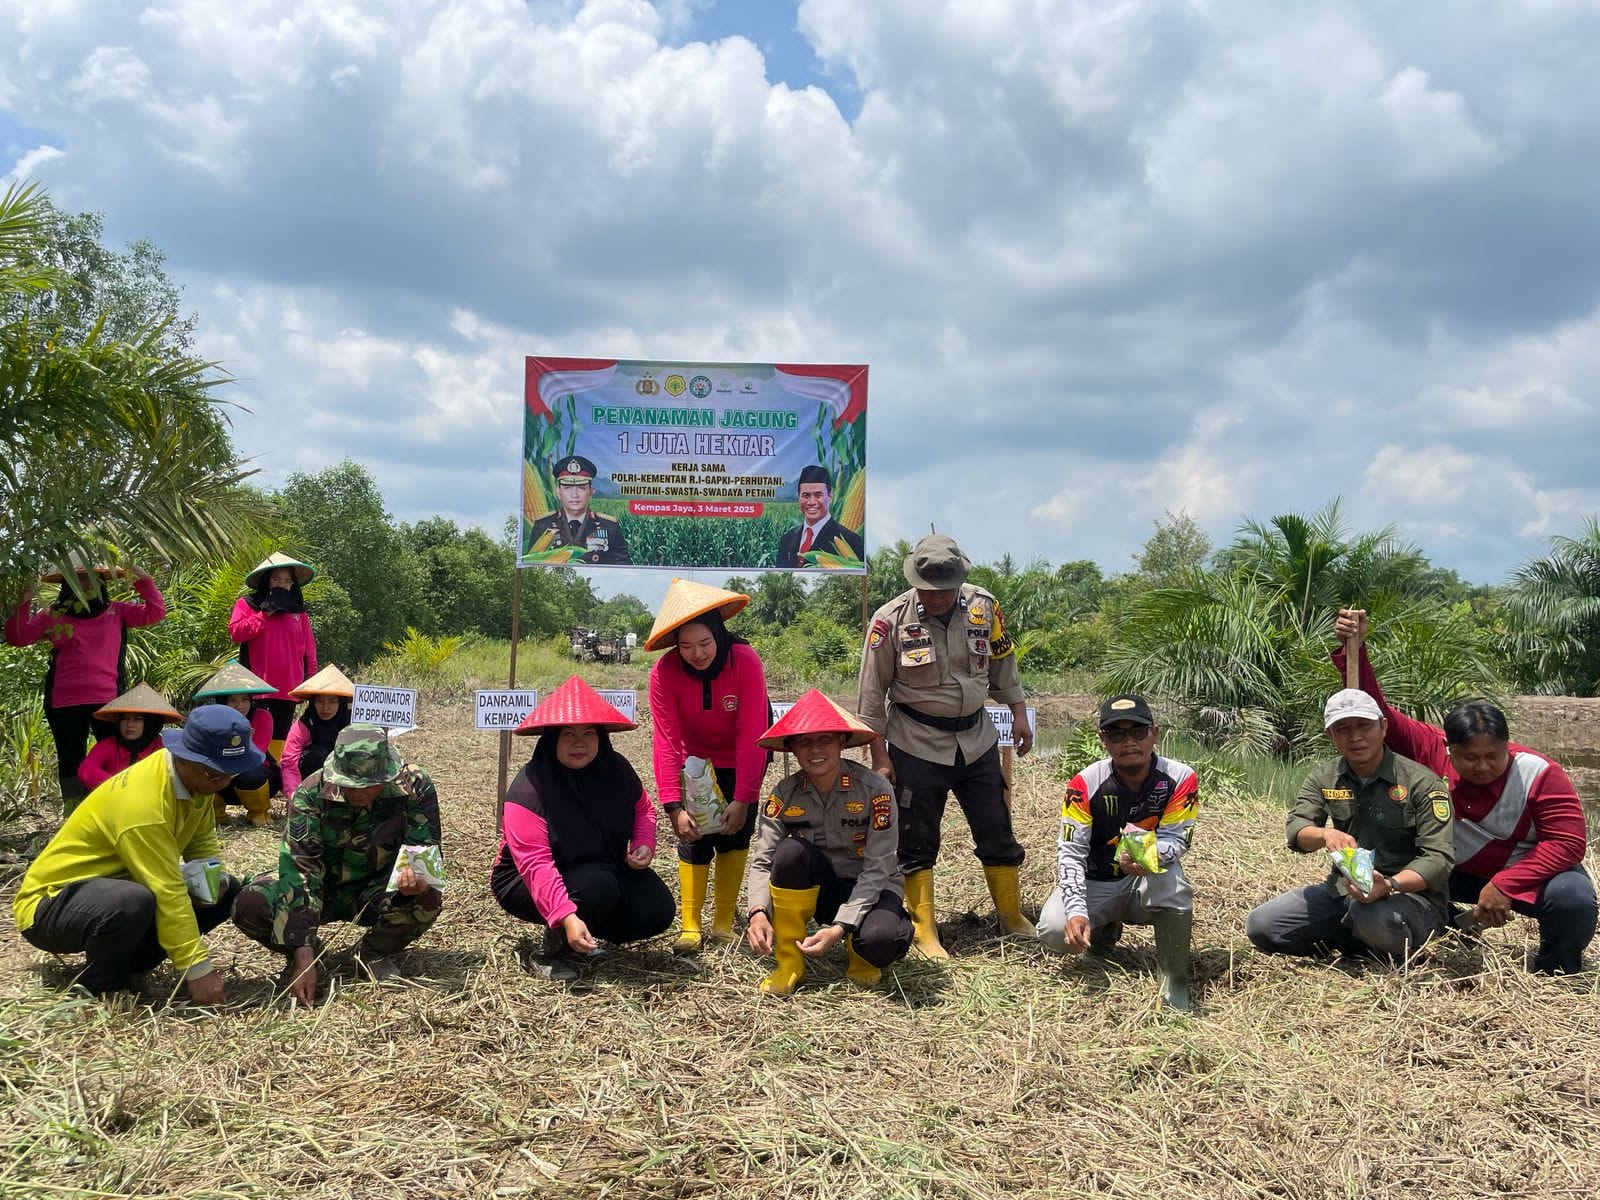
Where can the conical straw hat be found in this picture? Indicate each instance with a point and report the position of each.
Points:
(685, 600)
(574, 703)
(234, 680)
(139, 700)
(330, 681)
(304, 573)
(815, 713)
(79, 563)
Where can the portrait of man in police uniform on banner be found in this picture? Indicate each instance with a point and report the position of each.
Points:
(596, 535)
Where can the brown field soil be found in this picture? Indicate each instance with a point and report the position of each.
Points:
(1005, 1072)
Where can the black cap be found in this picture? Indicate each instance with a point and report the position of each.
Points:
(816, 474)
(575, 468)
(1126, 708)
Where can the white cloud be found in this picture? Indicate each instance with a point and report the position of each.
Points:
(1219, 258)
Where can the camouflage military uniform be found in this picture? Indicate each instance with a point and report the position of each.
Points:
(335, 863)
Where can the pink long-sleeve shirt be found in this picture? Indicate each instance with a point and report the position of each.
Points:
(87, 649)
(725, 734)
(1553, 816)
(280, 646)
(299, 737)
(109, 757)
(527, 835)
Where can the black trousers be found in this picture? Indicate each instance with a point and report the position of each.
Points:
(282, 717)
(70, 727)
(980, 790)
(710, 845)
(884, 934)
(1565, 911)
(113, 922)
(617, 903)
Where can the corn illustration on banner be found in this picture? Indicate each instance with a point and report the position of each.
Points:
(684, 465)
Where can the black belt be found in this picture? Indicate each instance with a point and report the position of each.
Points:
(945, 724)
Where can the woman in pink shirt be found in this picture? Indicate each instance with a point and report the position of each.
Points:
(241, 689)
(327, 694)
(274, 635)
(88, 639)
(708, 700)
(137, 717)
(578, 835)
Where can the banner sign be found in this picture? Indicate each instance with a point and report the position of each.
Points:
(394, 708)
(686, 466)
(504, 710)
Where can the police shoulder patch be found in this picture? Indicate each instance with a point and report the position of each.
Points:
(774, 805)
(882, 811)
(875, 635)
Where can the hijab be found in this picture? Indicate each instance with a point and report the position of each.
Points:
(68, 604)
(589, 811)
(152, 730)
(725, 643)
(284, 600)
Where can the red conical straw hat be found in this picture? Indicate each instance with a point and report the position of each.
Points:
(140, 700)
(574, 703)
(815, 713)
(685, 600)
(330, 681)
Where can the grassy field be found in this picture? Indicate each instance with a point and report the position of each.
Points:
(1003, 1073)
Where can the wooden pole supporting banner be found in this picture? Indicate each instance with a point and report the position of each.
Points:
(1352, 661)
(511, 683)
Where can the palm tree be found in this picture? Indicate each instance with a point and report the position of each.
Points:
(1554, 603)
(107, 446)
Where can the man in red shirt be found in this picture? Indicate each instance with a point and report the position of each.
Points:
(1519, 829)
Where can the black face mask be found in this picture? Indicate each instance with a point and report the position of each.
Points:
(284, 600)
(67, 601)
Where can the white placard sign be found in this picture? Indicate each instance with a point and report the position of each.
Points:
(1002, 721)
(392, 707)
(504, 710)
(624, 700)
(780, 709)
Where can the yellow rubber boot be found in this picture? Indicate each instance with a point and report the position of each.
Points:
(791, 909)
(692, 890)
(257, 801)
(1005, 891)
(860, 971)
(919, 903)
(275, 748)
(220, 807)
(726, 876)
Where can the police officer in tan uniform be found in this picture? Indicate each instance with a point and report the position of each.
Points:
(576, 524)
(826, 847)
(934, 656)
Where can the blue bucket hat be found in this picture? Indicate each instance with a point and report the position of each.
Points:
(218, 737)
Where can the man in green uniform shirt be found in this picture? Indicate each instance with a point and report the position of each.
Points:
(345, 827)
(1373, 799)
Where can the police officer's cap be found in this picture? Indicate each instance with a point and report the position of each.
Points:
(575, 468)
(936, 564)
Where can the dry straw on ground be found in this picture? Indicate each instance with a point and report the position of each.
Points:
(1005, 1072)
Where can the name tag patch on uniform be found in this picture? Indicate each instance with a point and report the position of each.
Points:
(793, 811)
(855, 806)
(875, 635)
(1398, 793)
(882, 811)
(774, 806)
(916, 646)
(1441, 805)
(1338, 794)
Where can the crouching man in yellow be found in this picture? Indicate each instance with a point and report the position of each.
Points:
(827, 846)
(111, 882)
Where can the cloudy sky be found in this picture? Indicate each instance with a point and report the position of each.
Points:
(1104, 259)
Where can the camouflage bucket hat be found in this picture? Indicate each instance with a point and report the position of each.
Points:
(362, 757)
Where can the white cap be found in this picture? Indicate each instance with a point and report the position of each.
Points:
(1351, 702)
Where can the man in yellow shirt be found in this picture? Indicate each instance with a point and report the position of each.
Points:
(111, 884)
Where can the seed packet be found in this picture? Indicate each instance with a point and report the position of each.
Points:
(1140, 845)
(702, 795)
(203, 878)
(1355, 864)
(427, 862)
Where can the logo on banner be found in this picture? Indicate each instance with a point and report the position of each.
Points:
(700, 387)
(647, 386)
(675, 385)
